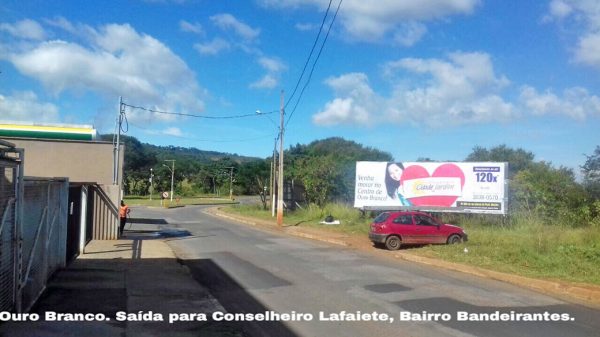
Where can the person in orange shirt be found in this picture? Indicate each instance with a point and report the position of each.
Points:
(123, 214)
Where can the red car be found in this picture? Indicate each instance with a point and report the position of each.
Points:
(394, 229)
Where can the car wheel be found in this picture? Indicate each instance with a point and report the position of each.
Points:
(393, 243)
(454, 238)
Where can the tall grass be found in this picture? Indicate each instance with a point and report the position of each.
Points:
(351, 220)
(527, 246)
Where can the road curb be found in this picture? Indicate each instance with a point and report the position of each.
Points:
(295, 232)
(286, 229)
(588, 295)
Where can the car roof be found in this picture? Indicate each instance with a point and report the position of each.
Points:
(407, 213)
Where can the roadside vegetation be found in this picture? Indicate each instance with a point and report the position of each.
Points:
(552, 230)
(134, 200)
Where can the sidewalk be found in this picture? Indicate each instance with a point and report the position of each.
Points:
(122, 276)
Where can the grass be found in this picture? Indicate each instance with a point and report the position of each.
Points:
(524, 247)
(156, 202)
(533, 250)
(351, 221)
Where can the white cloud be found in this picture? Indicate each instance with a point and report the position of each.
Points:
(271, 64)
(588, 49)
(172, 131)
(274, 67)
(368, 22)
(585, 15)
(410, 33)
(559, 9)
(25, 106)
(25, 29)
(463, 89)
(213, 47)
(575, 102)
(189, 27)
(228, 22)
(117, 61)
(62, 23)
(266, 82)
(304, 27)
(356, 102)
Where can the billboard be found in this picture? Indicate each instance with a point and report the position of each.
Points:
(433, 186)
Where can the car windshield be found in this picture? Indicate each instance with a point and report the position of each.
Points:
(381, 217)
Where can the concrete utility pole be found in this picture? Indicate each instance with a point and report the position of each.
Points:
(117, 147)
(273, 177)
(151, 182)
(230, 182)
(280, 177)
(172, 174)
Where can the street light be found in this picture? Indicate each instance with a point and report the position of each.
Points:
(172, 174)
(280, 169)
(230, 182)
(151, 180)
(280, 178)
(273, 172)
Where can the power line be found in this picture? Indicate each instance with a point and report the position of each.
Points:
(196, 116)
(314, 64)
(210, 140)
(310, 54)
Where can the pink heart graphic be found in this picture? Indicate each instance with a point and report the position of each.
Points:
(445, 170)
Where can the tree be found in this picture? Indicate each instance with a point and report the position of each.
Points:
(327, 167)
(518, 159)
(552, 193)
(320, 177)
(253, 176)
(591, 174)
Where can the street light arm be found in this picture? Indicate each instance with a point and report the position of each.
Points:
(165, 165)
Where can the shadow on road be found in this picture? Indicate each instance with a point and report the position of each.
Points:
(144, 288)
(234, 298)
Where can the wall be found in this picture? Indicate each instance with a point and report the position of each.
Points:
(80, 161)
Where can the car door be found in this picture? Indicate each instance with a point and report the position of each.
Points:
(427, 230)
(404, 226)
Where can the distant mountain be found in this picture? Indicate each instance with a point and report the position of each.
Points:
(140, 154)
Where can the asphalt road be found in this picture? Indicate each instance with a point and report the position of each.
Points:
(252, 271)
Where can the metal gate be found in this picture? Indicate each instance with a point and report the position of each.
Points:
(10, 182)
(33, 229)
(44, 234)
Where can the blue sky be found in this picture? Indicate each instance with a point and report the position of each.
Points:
(416, 78)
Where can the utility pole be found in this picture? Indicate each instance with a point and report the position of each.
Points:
(280, 177)
(151, 182)
(230, 182)
(117, 147)
(273, 178)
(172, 174)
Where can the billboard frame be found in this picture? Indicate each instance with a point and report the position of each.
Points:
(461, 210)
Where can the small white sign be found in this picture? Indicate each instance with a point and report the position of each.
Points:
(165, 194)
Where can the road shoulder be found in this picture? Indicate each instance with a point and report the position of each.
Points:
(583, 294)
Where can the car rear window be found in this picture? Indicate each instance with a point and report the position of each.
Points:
(381, 217)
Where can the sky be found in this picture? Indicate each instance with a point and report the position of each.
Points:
(415, 78)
